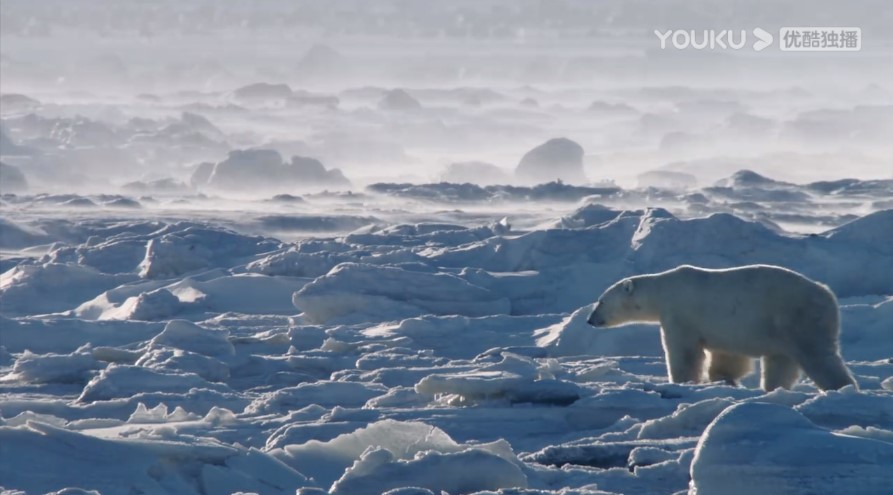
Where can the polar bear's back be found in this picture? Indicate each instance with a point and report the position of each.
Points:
(757, 277)
(764, 302)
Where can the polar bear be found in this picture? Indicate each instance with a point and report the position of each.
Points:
(735, 314)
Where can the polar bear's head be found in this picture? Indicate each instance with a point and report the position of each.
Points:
(618, 305)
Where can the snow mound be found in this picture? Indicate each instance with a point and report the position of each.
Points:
(177, 360)
(111, 465)
(178, 250)
(847, 407)
(663, 241)
(154, 305)
(187, 336)
(117, 381)
(393, 454)
(404, 440)
(385, 292)
(303, 260)
(54, 368)
(468, 471)
(586, 216)
(874, 230)
(771, 449)
(14, 236)
(515, 379)
(346, 394)
(52, 287)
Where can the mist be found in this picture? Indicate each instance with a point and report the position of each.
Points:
(354, 247)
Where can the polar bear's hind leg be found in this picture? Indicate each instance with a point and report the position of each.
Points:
(728, 367)
(828, 371)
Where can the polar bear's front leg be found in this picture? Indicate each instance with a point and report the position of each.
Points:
(685, 355)
(779, 371)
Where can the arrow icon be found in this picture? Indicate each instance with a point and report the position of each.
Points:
(764, 39)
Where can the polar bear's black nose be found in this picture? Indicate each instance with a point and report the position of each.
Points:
(594, 319)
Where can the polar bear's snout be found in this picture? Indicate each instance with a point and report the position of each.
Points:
(594, 318)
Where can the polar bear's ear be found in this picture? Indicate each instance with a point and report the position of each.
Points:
(628, 286)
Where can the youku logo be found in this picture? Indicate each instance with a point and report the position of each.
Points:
(710, 39)
(791, 39)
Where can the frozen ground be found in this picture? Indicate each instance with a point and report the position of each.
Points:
(314, 247)
(181, 352)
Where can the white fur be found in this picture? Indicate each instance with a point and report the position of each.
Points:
(736, 314)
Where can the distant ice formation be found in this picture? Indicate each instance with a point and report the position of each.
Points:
(398, 99)
(261, 169)
(12, 180)
(556, 159)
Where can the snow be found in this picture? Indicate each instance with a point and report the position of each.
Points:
(432, 355)
(388, 293)
(235, 258)
(188, 336)
(757, 447)
(468, 471)
(154, 465)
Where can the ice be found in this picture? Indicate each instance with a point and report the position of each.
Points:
(117, 381)
(70, 459)
(321, 393)
(320, 351)
(54, 368)
(390, 293)
(871, 408)
(468, 471)
(687, 420)
(351, 247)
(373, 458)
(514, 379)
(188, 336)
(763, 447)
(53, 287)
(14, 236)
(182, 249)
